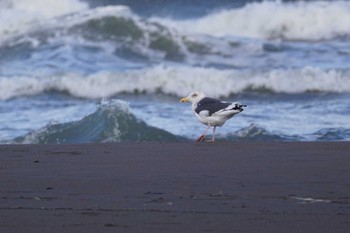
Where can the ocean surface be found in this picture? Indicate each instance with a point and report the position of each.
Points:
(114, 70)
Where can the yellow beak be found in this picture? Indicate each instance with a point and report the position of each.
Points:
(184, 100)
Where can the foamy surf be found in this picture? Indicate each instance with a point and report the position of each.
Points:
(295, 20)
(179, 81)
(19, 16)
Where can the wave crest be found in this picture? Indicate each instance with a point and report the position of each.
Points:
(119, 31)
(180, 81)
(301, 20)
(112, 122)
(18, 16)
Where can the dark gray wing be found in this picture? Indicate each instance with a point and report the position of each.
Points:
(211, 105)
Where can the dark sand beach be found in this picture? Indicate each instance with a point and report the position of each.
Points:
(176, 187)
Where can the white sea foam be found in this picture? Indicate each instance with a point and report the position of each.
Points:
(21, 16)
(17, 16)
(179, 81)
(301, 20)
(309, 200)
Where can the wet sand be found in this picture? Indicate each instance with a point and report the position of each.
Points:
(176, 187)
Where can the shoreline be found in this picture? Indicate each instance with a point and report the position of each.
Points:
(176, 187)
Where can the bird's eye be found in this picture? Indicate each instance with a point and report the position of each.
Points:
(194, 95)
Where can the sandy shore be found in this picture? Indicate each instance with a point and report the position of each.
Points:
(176, 187)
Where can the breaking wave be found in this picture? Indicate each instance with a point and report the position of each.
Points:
(114, 28)
(179, 81)
(218, 39)
(18, 16)
(112, 122)
(294, 20)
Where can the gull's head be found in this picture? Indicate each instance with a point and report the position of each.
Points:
(194, 97)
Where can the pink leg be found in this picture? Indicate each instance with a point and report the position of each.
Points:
(213, 139)
(202, 137)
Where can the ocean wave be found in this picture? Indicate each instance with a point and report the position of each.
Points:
(112, 122)
(179, 81)
(114, 27)
(19, 16)
(208, 40)
(130, 33)
(331, 134)
(118, 31)
(255, 132)
(294, 20)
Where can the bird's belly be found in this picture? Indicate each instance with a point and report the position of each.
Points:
(213, 120)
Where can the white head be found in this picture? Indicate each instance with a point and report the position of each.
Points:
(194, 97)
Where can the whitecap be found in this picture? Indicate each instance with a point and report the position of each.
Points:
(179, 81)
(297, 20)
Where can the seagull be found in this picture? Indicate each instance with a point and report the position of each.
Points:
(211, 112)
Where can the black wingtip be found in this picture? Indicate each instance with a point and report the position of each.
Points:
(240, 107)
